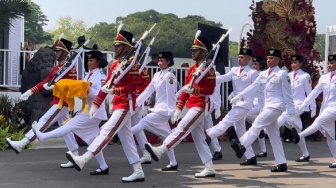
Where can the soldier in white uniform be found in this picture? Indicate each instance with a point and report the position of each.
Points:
(82, 125)
(278, 98)
(258, 104)
(327, 117)
(164, 84)
(241, 78)
(196, 98)
(215, 105)
(301, 87)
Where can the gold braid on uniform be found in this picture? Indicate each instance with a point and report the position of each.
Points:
(197, 91)
(180, 104)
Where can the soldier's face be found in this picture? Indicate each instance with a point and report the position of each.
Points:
(332, 65)
(120, 50)
(163, 63)
(256, 65)
(197, 54)
(272, 61)
(296, 65)
(92, 63)
(243, 60)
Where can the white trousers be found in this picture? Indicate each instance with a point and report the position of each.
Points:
(266, 119)
(192, 122)
(250, 117)
(119, 122)
(157, 124)
(325, 122)
(235, 117)
(49, 118)
(84, 127)
(283, 120)
(208, 123)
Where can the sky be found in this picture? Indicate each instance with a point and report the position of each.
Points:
(231, 13)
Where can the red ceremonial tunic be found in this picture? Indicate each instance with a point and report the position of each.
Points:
(205, 87)
(72, 74)
(125, 86)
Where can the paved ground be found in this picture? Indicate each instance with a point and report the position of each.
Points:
(40, 168)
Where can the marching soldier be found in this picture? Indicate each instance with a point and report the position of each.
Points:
(301, 87)
(196, 98)
(216, 103)
(120, 120)
(164, 85)
(258, 104)
(82, 125)
(241, 78)
(327, 117)
(54, 114)
(278, 98)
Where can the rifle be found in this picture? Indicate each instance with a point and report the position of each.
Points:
(143, 59)
(120, 69)
(67, 65)
(200, 72)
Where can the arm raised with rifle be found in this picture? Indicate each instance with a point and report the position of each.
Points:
(124, 66)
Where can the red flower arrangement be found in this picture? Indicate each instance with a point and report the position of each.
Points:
(288, 25)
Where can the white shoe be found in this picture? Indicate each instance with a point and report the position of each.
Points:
(18, 146)
(146, 158)
(208, 171)
(79, 161)
(138, 174)
(67, 165)
(156, 152)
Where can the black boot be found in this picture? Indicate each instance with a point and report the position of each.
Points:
(238, 148)
(303, 159)
(279, 168)
(251, 161)
(217, 156)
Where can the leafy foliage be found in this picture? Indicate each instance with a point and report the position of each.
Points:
(11, 116)
(12, 9)
(34, 23)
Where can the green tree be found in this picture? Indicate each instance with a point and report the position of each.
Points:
(320, 44)
(34, 22)
(12, 9)
(72, 29)
(233, 49)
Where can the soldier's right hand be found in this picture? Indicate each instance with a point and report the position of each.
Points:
(302, 107)
(93, 111)
(176, 116)
(26, 95)
(236, 99)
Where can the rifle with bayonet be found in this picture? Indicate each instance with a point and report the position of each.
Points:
(67, 65)
(200, 73)
(121, 67)
(144, 57)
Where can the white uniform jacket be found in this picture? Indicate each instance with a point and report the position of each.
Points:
(328, 87)
(215, 98)
(164, 83)
(96, 80)
(301, 88)
(240, 81)
(277, 90)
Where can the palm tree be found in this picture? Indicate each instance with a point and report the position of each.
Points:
(11, 9)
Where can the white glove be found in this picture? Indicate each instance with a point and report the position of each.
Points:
(217, 113)
(230, 96)
(236, 99)
(291, 119)
(106, 90)
(93, 111)
(26, 95)
(312, 113)
(46, 87)
(176, 116)
(302, 107)
(187, 89)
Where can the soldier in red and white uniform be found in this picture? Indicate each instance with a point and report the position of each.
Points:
(54, 114)
(120, 120)
(196, 99)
